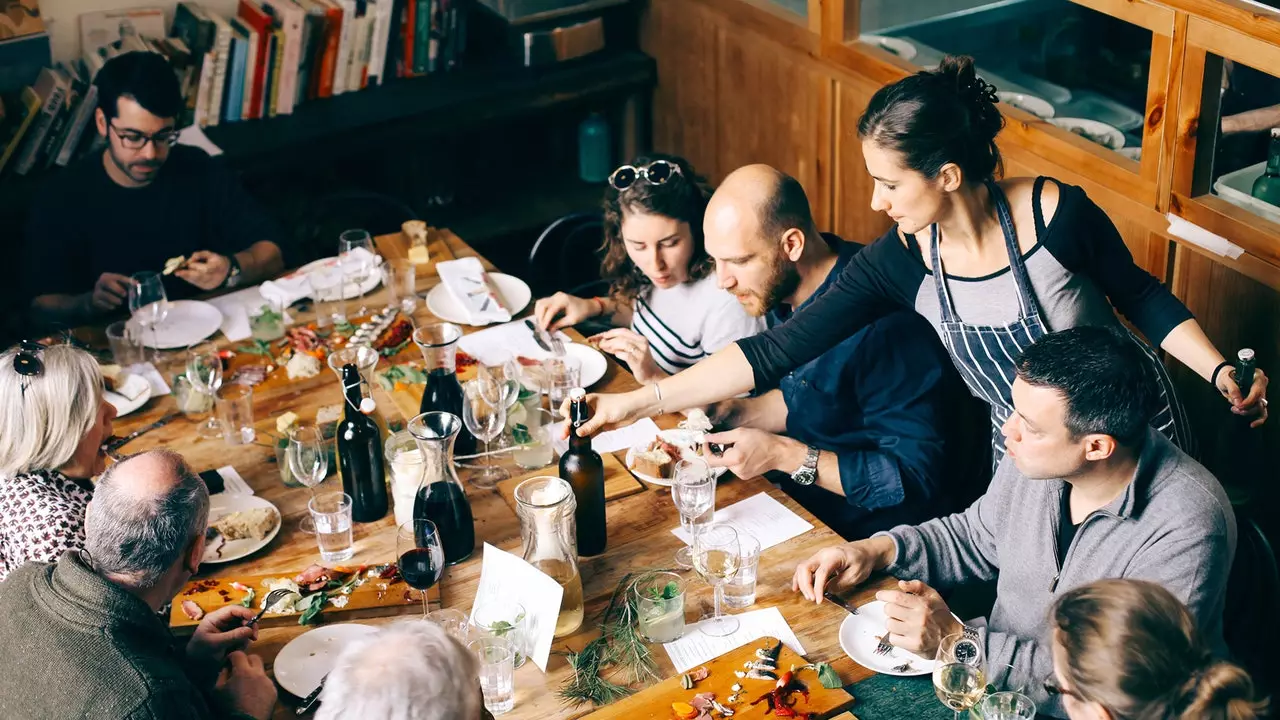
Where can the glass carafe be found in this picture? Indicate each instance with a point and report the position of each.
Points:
(546, 507)
(438, 343)
(441, 498)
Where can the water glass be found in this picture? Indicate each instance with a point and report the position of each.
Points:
(485, 420)
(740, 592)
(660, 607)
(1006, 706)
(327, 292)
(405, 466)
(191, 402)
(331, 514)
(204, 372)
(959, 673)
(266, 320)
(533, 439)
(454, 622)
(126, 346)
(497, 673)
(401, 277)
(234, 406)
(504, 619)
(560, 375)
(693, 490)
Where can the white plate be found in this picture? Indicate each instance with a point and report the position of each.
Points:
(675, 436)
(224, 504)
(350, 291)
(187, 323)
(1037, 106)
(309, 657)
(593, 364)
(859, 635)
(122, 403)
(515, 296)
(1098, 132)
(897, 46)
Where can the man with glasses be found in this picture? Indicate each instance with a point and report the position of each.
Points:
(141, 201)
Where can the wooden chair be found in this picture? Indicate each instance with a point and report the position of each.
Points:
(566, 256)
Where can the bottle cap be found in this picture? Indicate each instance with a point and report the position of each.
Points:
(1246, 354)
(367, 405)
(577, 394)
(1275, 132)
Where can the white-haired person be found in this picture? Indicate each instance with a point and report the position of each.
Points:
(53, 421)
(408, 670)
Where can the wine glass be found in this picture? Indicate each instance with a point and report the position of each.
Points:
(204, 372)
(357, 266)
(421, 556)
(959, 675)
(715, 557)
(148, 304)
(1007, 706)
(500, 383)
(693, 490)
(485, 420)
(308, 462)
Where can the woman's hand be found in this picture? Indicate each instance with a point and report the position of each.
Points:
(563, 310)
(1255, 405)
(632, 348)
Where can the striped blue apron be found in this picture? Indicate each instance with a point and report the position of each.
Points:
(986, 355)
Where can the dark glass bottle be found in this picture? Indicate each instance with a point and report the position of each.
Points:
(583, 469)
(1267, 187)
(360, 452)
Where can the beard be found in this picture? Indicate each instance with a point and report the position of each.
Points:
(781, 283)
(135, 170)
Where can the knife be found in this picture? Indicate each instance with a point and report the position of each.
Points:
(853, 610)
(310, 700)
(538, 335)
(120, 442)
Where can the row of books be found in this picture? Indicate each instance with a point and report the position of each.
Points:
(49, 122)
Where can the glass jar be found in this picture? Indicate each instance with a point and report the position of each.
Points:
(440, 496)
(546, 508)
(405, 467)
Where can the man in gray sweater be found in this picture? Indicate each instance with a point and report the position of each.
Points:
(1088, 491)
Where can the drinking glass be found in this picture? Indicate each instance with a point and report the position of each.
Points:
(204, 372)
(331, 513)
(234, 405)
(1007, 706)
(533, 441)
(497, 671)
(693, 490)
(740, 592)
(401, 277)
(126, 348)
(357, 267)
(561, 374)
(660, 607)
(454, 622)
(308, 462)
(405, 465)
(329, 293)
(485, 420)
(959, 675)
(148, 304)
(266, 320)
(504, 619)
(715, 557)
(421, 556)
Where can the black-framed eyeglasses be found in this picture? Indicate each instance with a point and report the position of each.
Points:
(134, 140)
(655, 173)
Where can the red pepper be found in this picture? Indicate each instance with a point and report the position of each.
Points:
(785, 680)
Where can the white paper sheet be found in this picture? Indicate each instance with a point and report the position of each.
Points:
(153, 376)
(638, 433)
(767, 519)
(696, 647)
(494, 345)
(194, 136)
(509, 577)
(232, 483)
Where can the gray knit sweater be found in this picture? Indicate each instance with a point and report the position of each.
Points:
(1172, 525)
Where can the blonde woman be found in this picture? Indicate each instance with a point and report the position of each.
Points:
(53, 419)
(1128, 650)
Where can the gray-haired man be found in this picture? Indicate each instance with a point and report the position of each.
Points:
(82, 635)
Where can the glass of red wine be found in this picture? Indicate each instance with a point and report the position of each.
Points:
(421, 556)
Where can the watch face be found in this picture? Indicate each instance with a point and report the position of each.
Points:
(966, 651)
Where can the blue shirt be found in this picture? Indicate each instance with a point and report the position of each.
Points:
(876, 400)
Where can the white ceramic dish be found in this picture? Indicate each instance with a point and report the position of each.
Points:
(594, 364)
(350, 291)
(224, 504)
(859, 635)
(1037, 106)
(304, 662)
(1097, 132)
(187, 323)
(121, 402)
(897, 46)
(684, 439)
(515, 295)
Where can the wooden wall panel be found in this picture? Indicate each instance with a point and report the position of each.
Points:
(682, 37)
(853, 219)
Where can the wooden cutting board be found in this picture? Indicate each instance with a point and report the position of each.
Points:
(655, 703)
(618, 482)
(368, 600)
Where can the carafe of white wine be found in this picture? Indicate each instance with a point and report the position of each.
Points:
(546, 508)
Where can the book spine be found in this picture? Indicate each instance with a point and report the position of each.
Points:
(344, 46)
(78, 124)
(39, 129)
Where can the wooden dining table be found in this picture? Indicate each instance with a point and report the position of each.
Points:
(639, 522)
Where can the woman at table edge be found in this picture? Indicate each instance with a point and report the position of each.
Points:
(929, 143)
(663, 301)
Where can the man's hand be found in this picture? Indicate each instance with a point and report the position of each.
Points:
(206, 270)
(918, 617)
(221, 632)
(842, 566)
(243, 686)
(109, 292)
(754, 452)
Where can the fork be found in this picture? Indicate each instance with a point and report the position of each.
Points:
(273, 597)
(883, 646)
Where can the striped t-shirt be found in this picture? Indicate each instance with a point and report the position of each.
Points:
(690, 321)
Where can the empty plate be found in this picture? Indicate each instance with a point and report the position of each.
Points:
(1097, 132)
(859, 635)
(897, 46)
(304, 662)
(1037, 106)
(186, 323)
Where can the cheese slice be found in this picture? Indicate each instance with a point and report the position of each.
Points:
(173, 264)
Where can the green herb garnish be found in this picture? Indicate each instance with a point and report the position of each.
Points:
(317, 604)
(827, 675)
(521, 435)
(248, 599)
(501, 628)
(267, 314)
(406, 374)
(667, 592)
(393, 351)
(259, 347)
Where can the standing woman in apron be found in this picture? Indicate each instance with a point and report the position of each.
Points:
(993, 265)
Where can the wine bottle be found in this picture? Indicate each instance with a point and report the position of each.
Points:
(360, 452)
(582, 467)
(1245, 365)
(1267, 187)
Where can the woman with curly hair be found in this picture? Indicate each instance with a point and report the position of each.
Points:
(663, 302)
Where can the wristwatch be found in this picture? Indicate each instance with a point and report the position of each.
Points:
(967, 649)
(233, 275)
(808, 472)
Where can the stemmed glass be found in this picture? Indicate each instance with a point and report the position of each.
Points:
(715, 557)
(357, 266)
(485, 420)
(148, 304)
(500, 383)
(959, 675)
(693, 490)
(421, 556)
(204, 372)
(309, 462)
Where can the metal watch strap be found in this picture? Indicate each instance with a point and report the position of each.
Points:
(972, 633)
(233, 273)
(807, 473)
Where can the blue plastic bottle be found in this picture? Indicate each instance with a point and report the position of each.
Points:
(594, 150)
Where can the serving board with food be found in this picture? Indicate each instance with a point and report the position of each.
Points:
(318, 594)
(760, 680)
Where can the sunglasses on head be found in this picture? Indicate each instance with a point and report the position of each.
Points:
(27, 362)
(655, 173)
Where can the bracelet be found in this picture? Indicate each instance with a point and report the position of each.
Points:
(600, 304)
(657, 394)
(1213, 379)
